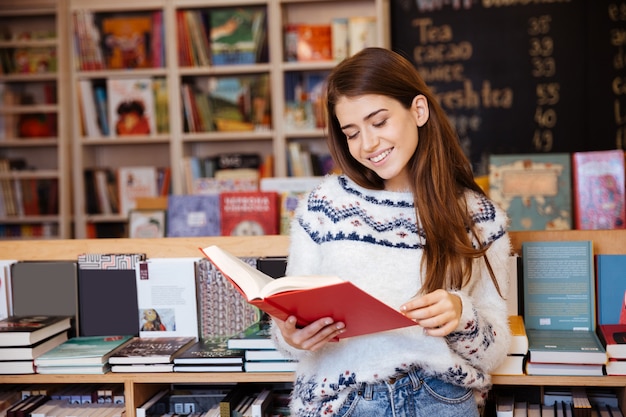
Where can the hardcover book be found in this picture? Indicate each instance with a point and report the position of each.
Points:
(150, 350)
(131, 106)
(564, 369)
(74, 369)
(166, 292)
(32, 351)
(211, 352)
(193, 215)
(534, 189)
(613, 337)
(82, 350)
(611, 287)
(599, 193)
(102, 278)
(249, 213)
(559, 302)
(28, 330)
(48, 288)
(237, 35)
(309, 297)
(255, 336)
(127, 40)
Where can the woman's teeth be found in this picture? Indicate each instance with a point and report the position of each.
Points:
(381, 156)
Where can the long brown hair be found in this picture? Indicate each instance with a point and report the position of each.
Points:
(441, 170)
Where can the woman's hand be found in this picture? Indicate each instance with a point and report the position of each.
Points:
(438, 312)
(311, 337)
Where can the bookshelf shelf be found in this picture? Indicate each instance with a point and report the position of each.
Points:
(33, 115)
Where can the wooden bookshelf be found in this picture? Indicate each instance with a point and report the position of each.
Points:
(139, 387)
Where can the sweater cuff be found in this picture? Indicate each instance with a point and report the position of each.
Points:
(467, 313)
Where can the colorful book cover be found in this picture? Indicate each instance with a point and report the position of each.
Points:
(82, 350)
(599, 193)
(611, 288)
(167, 307)
(193, 215)
(134, 182)
(249, 213)
(237, 34)
(534, 189)
(314, 42)
(613, 337)
(131, 106)
(28, 330)
(222, 311)
(149, 350)
(256, 336)
(210, 351)
(127, 40)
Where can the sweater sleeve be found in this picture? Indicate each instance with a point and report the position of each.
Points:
(483, 335)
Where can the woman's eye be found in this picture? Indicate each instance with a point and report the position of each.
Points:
(352, 135)
(381, 123)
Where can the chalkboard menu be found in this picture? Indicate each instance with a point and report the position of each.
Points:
(521, 76)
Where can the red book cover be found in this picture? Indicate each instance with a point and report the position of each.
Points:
(309, 298)
(613, 337)
(599, 199)
(245, 213)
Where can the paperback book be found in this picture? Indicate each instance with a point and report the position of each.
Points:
(611, 287)
(210, 352)
(31, 352)
(131, 106)
(255, 336)
(309, 297)
(559, 302)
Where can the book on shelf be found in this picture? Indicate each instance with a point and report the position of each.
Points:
(362, 33)
(611, 288)
(615, 366)
(45, 288)
(127, 40)
(339, 38)
(239, 102)
(222, 311)
(134, 182)
(309, 297)
(74, 369)
(613, 338)
(212, 351)
(599, 189)
(534, 189)
(255, 336)
(514, 362)
(82, 350)
(314, 42)
(150, 350)
(511, 365)
(193, 215)
(249, 213)
(16, 353)
(237, 35)
(559, 302)
(102, 278)
(155, 405)
(131, 106)
(89, 110)
(28, 330)
(167, 306)
(143, 367)
(6, 293)
(209, 368)
(17, 367)
(564, 369)
(270, 366)
(194, 48)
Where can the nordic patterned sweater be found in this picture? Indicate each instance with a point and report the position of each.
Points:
(371, 237)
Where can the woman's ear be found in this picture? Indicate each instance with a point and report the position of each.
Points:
(420, 105)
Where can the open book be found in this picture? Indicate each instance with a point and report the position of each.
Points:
(308, 297)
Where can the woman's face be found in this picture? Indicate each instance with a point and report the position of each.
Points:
(382, 135)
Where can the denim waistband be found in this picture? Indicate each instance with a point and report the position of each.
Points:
(411, 377)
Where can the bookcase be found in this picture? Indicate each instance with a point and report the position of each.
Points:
(139, 387)
(35, 179)
(170, 146)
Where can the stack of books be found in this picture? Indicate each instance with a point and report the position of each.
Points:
(80, 355)
(149, 354)
(23, 338)
(260, 353)
(518, 349)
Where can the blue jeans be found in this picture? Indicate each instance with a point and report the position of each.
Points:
(412, 395)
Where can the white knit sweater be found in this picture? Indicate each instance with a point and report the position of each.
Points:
(371, 238)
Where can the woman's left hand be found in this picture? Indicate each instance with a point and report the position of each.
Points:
(438, 312)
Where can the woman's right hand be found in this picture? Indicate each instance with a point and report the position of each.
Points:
(311, 337)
